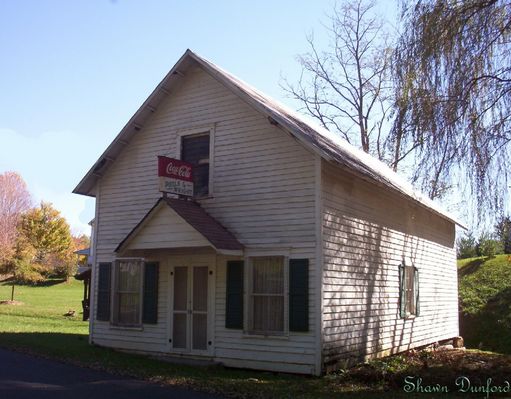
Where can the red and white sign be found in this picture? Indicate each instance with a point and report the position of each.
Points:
(176, 176)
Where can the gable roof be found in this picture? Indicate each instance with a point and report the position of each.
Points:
(193, 214)
(328, 145)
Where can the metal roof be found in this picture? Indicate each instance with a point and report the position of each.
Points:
(328, 145)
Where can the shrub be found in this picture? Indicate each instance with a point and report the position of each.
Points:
(466, 247)
(488, 246)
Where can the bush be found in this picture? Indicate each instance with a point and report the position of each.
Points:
(489, 247)
(28, 273)
(466, 247)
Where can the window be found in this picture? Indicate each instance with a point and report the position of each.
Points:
(135, 292)
(266, 309)
(128, 289)
(195, 149)
(409, 286)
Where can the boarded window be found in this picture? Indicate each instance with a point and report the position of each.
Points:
(267, 295)
(195, 150)
(409, 287)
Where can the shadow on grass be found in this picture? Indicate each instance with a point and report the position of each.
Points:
(227, 382)
(46, 283)
(489, 329)
(471, 267)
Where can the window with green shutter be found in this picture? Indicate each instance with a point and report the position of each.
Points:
(234, 295)
(409, 291)
(150, 294)
(104, 291)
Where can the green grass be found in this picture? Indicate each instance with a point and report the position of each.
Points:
(39, 327)
(485, 303)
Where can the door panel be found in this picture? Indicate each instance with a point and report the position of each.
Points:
(200, 308)
(190, 308)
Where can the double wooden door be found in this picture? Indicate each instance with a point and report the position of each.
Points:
(190, 293)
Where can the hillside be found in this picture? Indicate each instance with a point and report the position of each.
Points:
(485, 303)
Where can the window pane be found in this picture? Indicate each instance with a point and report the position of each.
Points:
(129, 276)
(129, 309)
(195, 150)
(267, 306)
(128, 288)
(268, 313)
(268, 275)
(410, 291)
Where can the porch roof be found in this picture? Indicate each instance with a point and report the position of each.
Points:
(197, 218)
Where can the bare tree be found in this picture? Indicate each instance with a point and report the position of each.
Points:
(347, 88)
(14, 200)
(452, 73)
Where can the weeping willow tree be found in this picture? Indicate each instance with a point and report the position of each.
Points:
(452, 76)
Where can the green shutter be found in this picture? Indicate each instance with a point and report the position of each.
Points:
(402, 291)
(150, 295)
(416, 289)
(104, 289)
(299, 294)
(234, 295)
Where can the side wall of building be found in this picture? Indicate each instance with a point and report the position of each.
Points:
(367, 233)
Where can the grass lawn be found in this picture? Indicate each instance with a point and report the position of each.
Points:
(39, 327)
(485, 302)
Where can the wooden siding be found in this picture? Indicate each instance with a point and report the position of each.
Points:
(367, 233)
(263, 192)
(166, 229)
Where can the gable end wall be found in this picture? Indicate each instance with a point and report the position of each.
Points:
(263, 193)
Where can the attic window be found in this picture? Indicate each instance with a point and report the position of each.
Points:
(195, 149)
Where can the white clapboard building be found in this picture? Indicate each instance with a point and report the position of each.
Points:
(296, 252)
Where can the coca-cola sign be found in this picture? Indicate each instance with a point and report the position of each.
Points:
(176, 176)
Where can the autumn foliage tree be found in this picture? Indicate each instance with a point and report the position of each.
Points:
(14, 200)
(48, 233)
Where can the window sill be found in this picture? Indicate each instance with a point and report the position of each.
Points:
(252, 335)
(205, 197)
(126, 328)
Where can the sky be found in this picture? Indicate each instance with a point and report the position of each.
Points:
(74, 72)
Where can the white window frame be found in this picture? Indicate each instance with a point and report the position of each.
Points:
(248, 314)
(196, 131)
(114, 314)
(409, 291)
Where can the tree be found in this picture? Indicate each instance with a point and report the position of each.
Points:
(452, 75)
(503, 233)
(347, 88)
(467, 246)
(46, 231)
(14, 200)
(488, 246)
